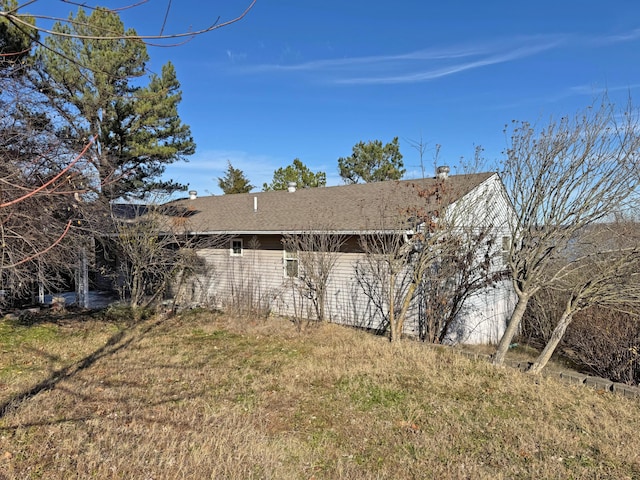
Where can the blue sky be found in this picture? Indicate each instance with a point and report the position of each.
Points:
(309, 79)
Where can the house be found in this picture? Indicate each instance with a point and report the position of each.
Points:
(248, 262)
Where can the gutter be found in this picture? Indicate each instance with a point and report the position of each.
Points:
(299, 232)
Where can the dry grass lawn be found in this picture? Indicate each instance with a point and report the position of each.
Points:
(202, 396)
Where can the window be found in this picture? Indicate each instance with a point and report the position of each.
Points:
(290, 263)
(506, 249)
(236, 247)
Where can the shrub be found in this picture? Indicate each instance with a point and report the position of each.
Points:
(600, 341)
(605, 342)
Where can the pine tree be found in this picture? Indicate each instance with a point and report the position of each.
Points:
(92, 87)
(297, 173)
(234, 181)
(15, 43)
(372, 162)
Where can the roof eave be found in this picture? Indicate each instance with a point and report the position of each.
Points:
(297, 232)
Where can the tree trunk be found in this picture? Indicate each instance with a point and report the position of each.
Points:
(556, 336)
(393, 333)
(320, 299)
(406, 303)
(511, 330)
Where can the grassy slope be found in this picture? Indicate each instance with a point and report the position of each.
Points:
(209, 397)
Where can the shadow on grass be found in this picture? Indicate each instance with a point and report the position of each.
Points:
(48, 423)
(117, 342)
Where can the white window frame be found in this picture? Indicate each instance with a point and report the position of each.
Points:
(232, 247)
(288, 257)
(506, 249)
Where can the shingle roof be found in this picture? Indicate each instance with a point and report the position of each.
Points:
(345, 208)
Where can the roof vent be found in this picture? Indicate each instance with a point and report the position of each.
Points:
(442, 172)
(193, 194)
(291, 187)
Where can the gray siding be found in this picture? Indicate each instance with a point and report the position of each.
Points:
(258, 277)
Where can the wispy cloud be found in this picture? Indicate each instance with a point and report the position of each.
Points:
(340, 63)
(443, 71)
(616, 38)
(417, 66)
(595, 90)
(433, 63)
(588, 90)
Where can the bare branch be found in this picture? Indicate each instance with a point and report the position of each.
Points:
(54, 179)
(605, 276)
(563, 178)
(16, 20)
(39, 253)
(317, 253)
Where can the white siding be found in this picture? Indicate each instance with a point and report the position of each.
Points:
(485, 315)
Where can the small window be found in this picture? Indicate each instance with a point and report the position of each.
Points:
(236, 247)
(506, 249)
(290, 263)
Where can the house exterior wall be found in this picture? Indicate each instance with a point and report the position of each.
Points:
(257, 281)
(486, 314)
(258, 277)
(487, 311)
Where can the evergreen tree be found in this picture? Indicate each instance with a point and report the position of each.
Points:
(15, 43)
(299, 173)
(372, 162)
(234, 181)
(92, 83)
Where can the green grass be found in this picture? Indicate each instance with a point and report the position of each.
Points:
(13, 335)
(206, 396)
(367, 394)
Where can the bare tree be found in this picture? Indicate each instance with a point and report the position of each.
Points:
(561, 179)
(382, 275)
(438, 258)
(421, 147)
(41, 184)
(604, 274)
(467, 263)
(317, 253)
(248, 295)
(154, 252)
